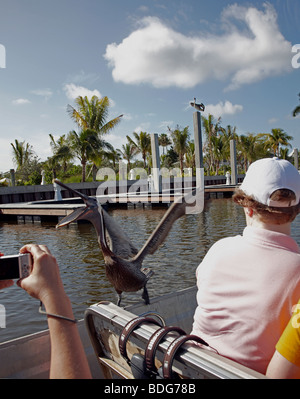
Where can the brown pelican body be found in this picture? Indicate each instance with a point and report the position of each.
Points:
(123, 262)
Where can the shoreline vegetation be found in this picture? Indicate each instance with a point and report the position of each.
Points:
(78, 155)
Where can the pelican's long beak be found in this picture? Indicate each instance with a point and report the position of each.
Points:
(80, 213)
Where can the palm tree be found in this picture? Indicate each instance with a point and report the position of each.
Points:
(128, 153)
(164, 141)
(100, 155)
(297, 109)
(275, 140)
(190, 155)
(84, 145)
(142, 144)
(246, 147)
(250, 147)
(227, 134)
(114, 156)
(22, 153)
(180, 140)
(52, 164)
(61, 151)
(211, 129)
(284, 153)
(90, 116)
(218, 151)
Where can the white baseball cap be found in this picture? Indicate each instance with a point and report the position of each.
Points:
(268, 175)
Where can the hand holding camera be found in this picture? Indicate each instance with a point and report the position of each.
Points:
(44, 282)
(15, 266)
(35, 269)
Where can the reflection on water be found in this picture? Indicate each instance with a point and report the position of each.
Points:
(82, 267)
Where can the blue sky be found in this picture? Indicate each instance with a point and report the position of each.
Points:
(150, 58)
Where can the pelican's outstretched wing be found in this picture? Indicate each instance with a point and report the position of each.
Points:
(176, 211)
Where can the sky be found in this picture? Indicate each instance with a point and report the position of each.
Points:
(150, 58)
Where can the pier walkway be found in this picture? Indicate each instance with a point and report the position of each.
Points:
(52, 211)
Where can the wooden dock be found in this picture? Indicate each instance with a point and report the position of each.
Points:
(52, 211)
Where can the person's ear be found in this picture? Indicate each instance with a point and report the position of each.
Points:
(249, 212)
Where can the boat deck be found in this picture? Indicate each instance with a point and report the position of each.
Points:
(29, 357)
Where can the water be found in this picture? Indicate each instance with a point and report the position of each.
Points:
(82, 267)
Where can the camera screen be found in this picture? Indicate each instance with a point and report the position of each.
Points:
(9, 269)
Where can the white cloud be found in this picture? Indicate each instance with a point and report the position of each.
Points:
(21, 101)
(158, 55)
(127, 117)
(165, 124)
(221, 109)
(143, 127)
(41, 144)
(272, 121)
(116, 140)
(72, 91)
(47, 93)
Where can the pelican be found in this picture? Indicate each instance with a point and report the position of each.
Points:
(198, 107)
(123, 262)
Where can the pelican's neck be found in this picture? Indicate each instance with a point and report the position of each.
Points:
(98, 223)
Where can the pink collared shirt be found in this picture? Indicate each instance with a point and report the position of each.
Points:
(247, 286)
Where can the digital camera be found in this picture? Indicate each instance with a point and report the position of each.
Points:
(15, 266)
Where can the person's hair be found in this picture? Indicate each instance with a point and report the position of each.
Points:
(269, 214)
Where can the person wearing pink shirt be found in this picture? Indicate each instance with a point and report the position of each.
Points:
(248, 284)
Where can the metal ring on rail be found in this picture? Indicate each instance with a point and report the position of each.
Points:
(153, 343)
(129, 327)
(152, 313)
(173, 348)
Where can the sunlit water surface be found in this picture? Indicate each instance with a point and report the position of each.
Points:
(82, 267)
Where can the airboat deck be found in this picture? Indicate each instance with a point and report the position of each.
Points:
(104, 323)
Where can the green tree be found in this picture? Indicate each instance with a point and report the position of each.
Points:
(23, 155)
(218, 151)
(92, 114)
(211, 129)
(190, 160)
(91, 117)
(275, 140)
(227, 134)
(142, 144)
(114, 156)
(297, 109)
(128, 152)
(164, 141)
(169, 159)
(84, 145)
(100, 156)
(62, 152)
(180, 140)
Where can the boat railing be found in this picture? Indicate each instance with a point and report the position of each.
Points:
(106, 322)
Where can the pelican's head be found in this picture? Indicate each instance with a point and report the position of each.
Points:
(90, 211)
